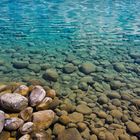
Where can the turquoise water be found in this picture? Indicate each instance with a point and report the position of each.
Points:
(58, 32)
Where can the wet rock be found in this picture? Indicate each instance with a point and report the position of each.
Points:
(2, 120)
(102, 114)
(25, 137)
(114, 95)
(13, 102)
(81, 126)
(124, 137)
(133, 127)
(116, 102)
(69, 68)
(83, 86)
(76, 117)
(135, 55)
(64, 119)
(37, 95)
(109, 119)
(26, 114)
(87, 68)
(116, 84)
(22, 89)
(12, 124)
(43, 119)
(93, 137)
(45, 66)
(34, 67)
(126, 96)
(86, 133)
(58, 128)
(116, 114)
(20, 64)
(4, 135)
(101, 136)
(51, 75)
(136, 119)
(41, 136)
(136, 102)
(69, 134)
(109, 136)
(84, 109)
(51, 93)
(44, 104)
(119, 67)
(55, 102)
(103, 99)
(26, 128)
(3, 87)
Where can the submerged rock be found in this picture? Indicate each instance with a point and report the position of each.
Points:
(84, 109)
(51, 74)
(26, 114)
(34, 67)
(37, 95)
(76, 117)
(44, 104)
(13, 102)
(87, 68)
(2, 120)
(70, 134)
(20, 64)
(25, 137)
(133, 127)
(58, 128)
(69, 68)
(12, 124)
(41, 136)
(27, 128)
(22, 89)
(4, 135)
(43, 119)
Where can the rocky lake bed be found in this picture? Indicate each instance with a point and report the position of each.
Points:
(73, 93)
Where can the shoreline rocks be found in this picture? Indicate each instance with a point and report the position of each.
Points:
(79, 116)
(13, 102)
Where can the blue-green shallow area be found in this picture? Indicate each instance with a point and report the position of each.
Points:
(54, 33)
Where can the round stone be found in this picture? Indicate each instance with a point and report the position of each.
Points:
(133, 127)
(69, 68)
(84, 109)
(51, 75)
(37, 95)
(13, 102)
(43, 119)
(2, 120)
(87, 68)
(20, 64)
(13, 124)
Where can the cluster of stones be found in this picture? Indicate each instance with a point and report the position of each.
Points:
(34, 112)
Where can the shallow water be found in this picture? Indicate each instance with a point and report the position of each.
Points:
(60, 32)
